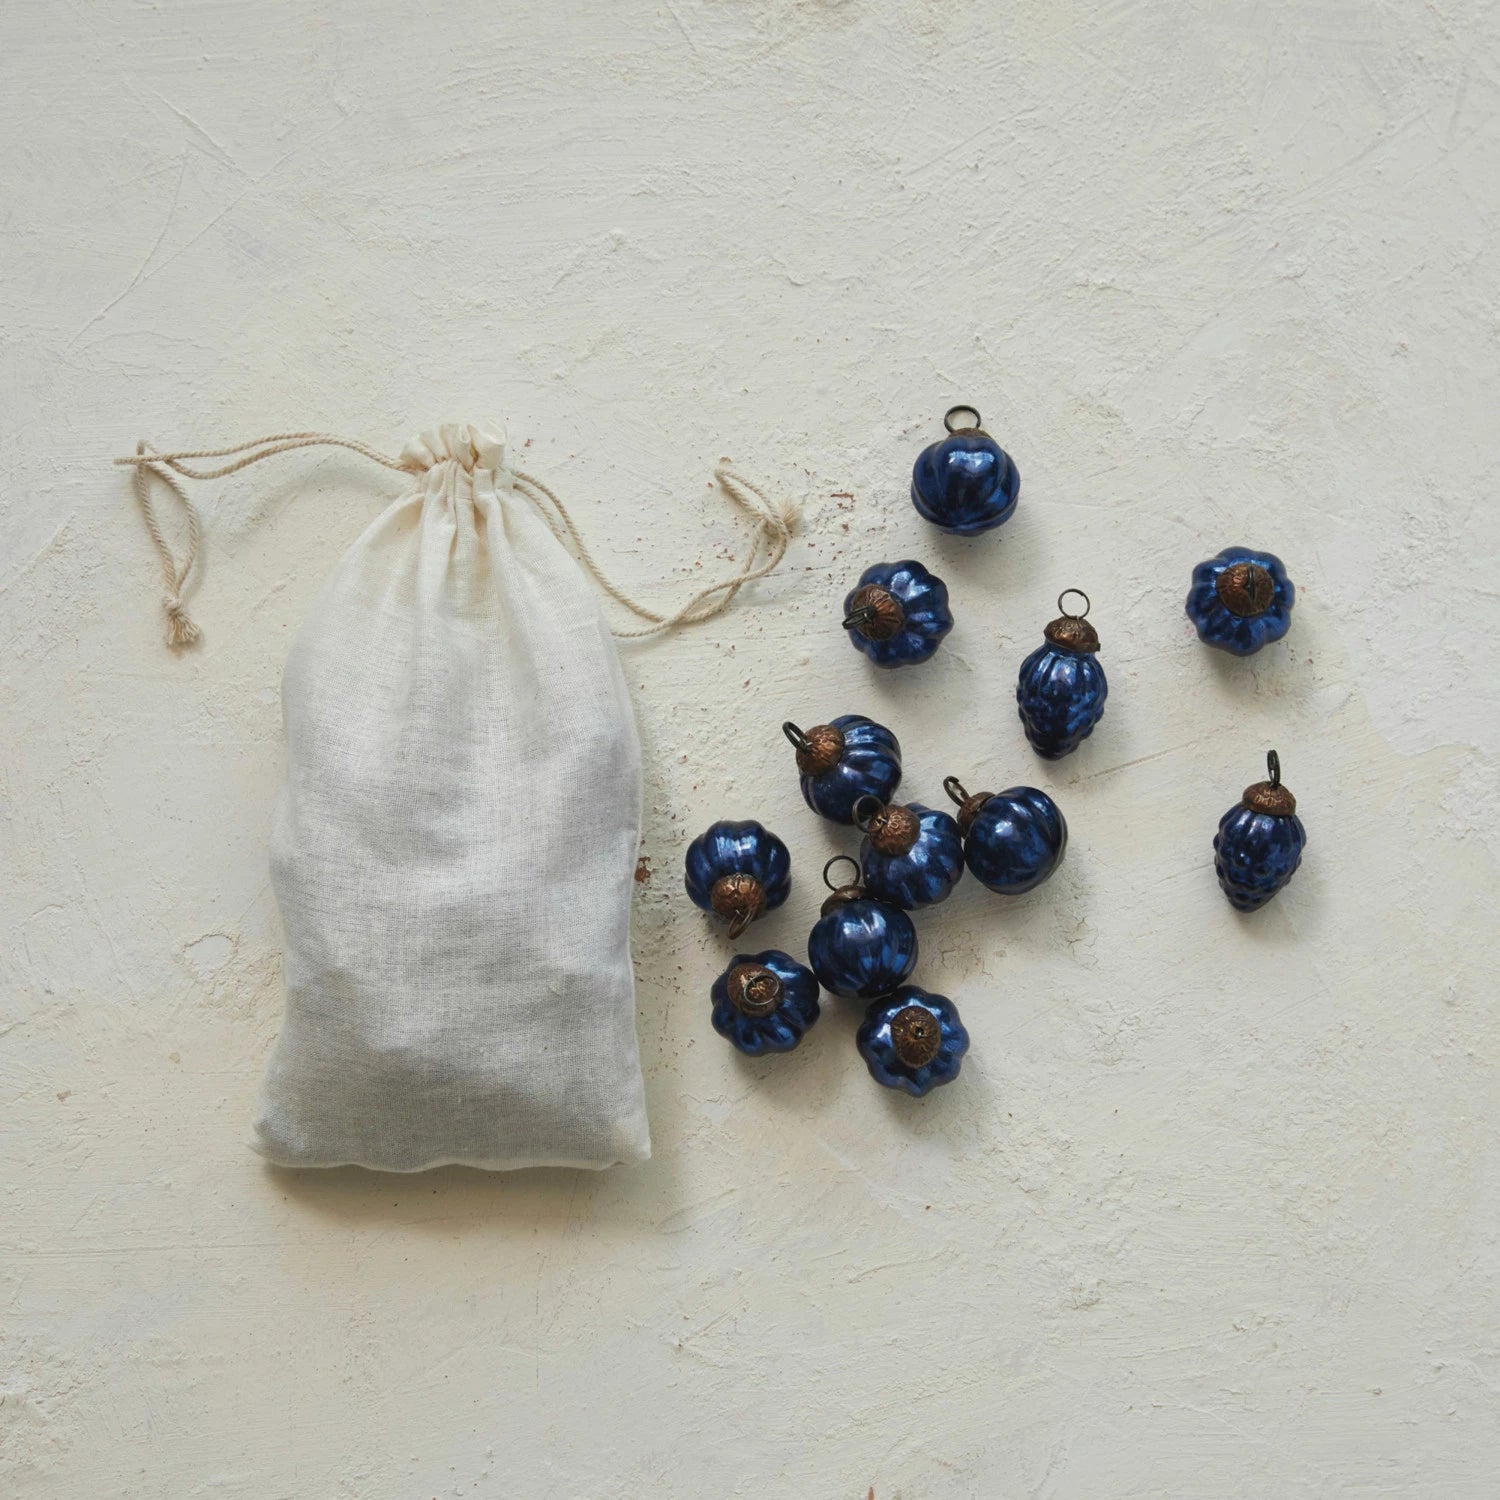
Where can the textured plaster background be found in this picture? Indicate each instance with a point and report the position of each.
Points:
(1212, 1211)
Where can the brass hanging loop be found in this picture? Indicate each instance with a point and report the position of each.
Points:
(954, 411)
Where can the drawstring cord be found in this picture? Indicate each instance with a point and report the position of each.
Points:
(773, 526)
(773, 532)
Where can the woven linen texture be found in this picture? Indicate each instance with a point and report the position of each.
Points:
(454, 850)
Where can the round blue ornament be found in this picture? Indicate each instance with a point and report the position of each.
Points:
(911, 856)
(1241, 600)
(1260, 842)
(898, 614)
(841, 762)
(1061, 689)
(967, 483)
(738, 871)
(912, 1040)
(765, 1002)
(1013, 840)
(860, 948)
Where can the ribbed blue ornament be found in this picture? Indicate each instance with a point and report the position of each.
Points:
(912, 1040)
(966, 483)
(898, 613)
(729, 849)
(868, 765)
(861, 948)
(743, 991)
(1061, 688)
(1013, 840)
(923, 873)
(1259, 843)
(1241, 600)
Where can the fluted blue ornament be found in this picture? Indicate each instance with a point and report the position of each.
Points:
(966, 483)
(738, 871)
(898, 613)
(842, 761)
(860, 948)
(765, 1002)
(912, 1040)
(1260, 842)
(1061, 688)
(1241, 600)
(1013, 840)
(911, 856)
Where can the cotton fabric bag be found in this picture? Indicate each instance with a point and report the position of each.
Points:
(454, 850)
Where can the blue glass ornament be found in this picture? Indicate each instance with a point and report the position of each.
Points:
(1241, 600)
(1260, 842)
(912, 1040)
(841, 762)
(898, 615)
(738, 871)
(966, 483)
(765, 1002)
(1061, 689)
(860, 948)
(911, 856)
(1013, 840)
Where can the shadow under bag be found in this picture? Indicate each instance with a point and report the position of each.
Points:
(457, 963)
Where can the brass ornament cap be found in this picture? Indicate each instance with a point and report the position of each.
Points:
(839, 895)
(969, 803)
(754, 990)
(875, 613)
(1270, 797)
(1245, 589)
(1074, 632)
(893, 830)
(822, 748)
(739, 899)
(916, 1035)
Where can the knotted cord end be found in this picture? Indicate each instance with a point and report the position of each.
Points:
(181, 630)
(148, 463)
(780, 515)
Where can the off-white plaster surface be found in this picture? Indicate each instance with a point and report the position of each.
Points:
(1212, 1211)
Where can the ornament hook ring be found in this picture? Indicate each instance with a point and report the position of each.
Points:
(954, 411)
(862, 821)
(740, 921)
(799, 740)
(955, 789)
(1068, 614)
(1273, 767)
(858, 872)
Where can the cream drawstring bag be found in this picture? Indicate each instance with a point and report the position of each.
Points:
(454, 851)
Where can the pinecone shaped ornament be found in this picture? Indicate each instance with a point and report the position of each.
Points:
(1061, 688)
(1260, 842)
